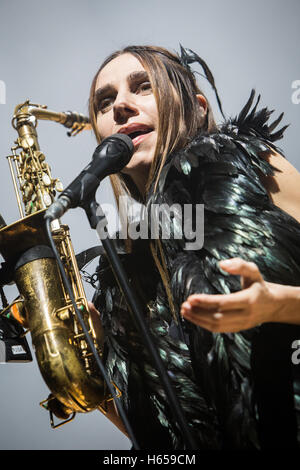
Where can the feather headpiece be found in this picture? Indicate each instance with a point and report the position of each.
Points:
(187, 57)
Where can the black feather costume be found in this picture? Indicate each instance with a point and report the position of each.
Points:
(238, 390)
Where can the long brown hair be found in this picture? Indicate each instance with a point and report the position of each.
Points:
(165, 70)
(166, 74)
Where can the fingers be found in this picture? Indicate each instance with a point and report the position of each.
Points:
(93, 309)
(236, 300)
(219, 322)
(213, 313)
(218, 302)
(228, 312)
(247, 269)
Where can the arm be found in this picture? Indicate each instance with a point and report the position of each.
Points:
(258, 302)
(283, 187)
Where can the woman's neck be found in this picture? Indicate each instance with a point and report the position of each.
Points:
(139, 178)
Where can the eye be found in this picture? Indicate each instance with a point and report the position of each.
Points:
(144, 87)
(105, 104)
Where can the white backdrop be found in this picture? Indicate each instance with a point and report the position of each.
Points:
(49, 52)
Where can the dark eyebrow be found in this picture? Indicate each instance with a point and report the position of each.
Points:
(142, 74)
(106, 89)
(134, 76)
(103, 91)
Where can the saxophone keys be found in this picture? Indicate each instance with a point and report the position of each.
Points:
(46, 179)
(58, 185)
(47, 198)
(63, 314)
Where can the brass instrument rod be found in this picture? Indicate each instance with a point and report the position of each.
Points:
(62, 118)
(15, 185)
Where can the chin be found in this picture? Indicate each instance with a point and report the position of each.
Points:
(141, 158)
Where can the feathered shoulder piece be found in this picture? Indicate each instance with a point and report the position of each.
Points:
(239, 141)
(255, 123)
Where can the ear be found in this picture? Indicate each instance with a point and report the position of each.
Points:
(203, 104)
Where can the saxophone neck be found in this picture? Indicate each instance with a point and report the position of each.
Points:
(27, 114)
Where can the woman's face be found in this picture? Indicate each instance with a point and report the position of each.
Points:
(125, 103)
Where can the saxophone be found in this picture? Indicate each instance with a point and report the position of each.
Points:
(44, 307)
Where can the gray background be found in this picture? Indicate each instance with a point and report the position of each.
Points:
(49, 52)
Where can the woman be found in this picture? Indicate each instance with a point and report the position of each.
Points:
(182, 157)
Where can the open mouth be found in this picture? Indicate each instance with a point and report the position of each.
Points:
(135, 134)
(138, 132)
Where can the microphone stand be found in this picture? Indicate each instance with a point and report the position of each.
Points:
(95, 216)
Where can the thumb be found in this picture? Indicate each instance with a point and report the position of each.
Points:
(248, 270)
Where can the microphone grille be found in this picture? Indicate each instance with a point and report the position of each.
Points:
(125, 138)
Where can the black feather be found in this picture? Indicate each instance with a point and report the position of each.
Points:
(218, 377)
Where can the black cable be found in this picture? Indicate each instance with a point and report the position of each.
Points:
(87, 335)
(95, 216)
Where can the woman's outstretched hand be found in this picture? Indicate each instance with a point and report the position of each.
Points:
(258, 302)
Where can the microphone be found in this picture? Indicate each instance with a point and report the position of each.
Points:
(110, 156)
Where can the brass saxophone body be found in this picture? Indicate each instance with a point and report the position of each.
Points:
(64, 359)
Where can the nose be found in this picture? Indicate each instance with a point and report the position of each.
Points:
(124, 108)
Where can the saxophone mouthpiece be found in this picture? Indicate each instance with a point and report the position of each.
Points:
(76, 122)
